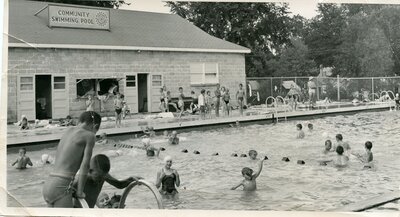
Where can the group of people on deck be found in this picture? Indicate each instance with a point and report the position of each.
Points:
(203, 103)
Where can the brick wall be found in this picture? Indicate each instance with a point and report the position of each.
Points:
(81, 64)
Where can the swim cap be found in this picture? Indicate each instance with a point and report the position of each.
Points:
(45, 158)
(167, 158)
(146, 141)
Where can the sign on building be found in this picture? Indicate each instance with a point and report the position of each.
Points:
(79, 17)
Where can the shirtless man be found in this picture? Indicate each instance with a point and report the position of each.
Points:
(22, 160)
(73, 153)
(240, 98)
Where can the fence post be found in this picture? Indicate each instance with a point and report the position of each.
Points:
(338, 88)
(272, 93)
(317, 89)
(373, 90)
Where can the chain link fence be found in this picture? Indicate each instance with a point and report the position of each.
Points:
(336, 89)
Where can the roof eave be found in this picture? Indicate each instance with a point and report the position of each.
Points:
(135, 48)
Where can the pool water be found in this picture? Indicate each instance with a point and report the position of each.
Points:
(284, 186)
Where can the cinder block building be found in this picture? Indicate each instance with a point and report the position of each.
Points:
(59, 54)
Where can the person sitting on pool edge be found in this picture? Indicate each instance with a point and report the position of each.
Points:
(98, 174)
(173, 139)
(168, 178)
(22, 160)
(249, 182)
(300, 132)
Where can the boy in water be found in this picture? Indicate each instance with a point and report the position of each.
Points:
(328, 146)
(249, 182)
(300, 132)
(74, 152)
(341, 160)
(253, 154)
(104, 201)
(103, 139)
(22, 160)
(173, 138)
(98, 174)
(310, 127)
(368, 157)
(345, 145)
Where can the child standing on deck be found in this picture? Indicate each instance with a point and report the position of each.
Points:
(74, 152)
(240, 98)
(249, 182)
(22, 160)
(226, 97)
(208, 103)
(202, 104)
(181, 103)
(118, 110)
(89, 103)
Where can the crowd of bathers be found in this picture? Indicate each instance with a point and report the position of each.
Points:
(76, 174)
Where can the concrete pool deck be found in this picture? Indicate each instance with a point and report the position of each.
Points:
(15, 137)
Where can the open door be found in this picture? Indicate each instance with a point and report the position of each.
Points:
(156, 84)
(26, 97)
(143, 95)
(60, 97)
(130, 93)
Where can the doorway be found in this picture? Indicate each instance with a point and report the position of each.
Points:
(142, 92)
(43, 97)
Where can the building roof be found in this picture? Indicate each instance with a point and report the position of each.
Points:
(129, 30)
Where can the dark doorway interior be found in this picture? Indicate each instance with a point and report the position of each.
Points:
(43, 96)
(142, 92)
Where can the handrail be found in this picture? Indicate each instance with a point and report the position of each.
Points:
(150, 186)
(82, 202)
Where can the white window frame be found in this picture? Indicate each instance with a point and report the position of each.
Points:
(161, 80)
(203, 77)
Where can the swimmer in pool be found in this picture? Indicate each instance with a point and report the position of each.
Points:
(368, 157)
(345, 145)
(173, 139)
(328, 146)
(249, 182)
(310, 127)
(150, 150)
(74, 152)
(149, 132)
(98, 174)
(46, 159)
(22, 160)
(104, 201)
(103, 139)
(341, 160)
(168, 178)
(300, 132)
(253, 154)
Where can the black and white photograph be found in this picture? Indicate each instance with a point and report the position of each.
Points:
(185, 105)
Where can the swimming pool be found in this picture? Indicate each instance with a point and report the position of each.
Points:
(283, 186)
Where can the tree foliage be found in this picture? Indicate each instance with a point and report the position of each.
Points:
(262, 27)
(102, 3)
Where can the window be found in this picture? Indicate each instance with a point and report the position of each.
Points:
(26, 83)
(130, 81)
(156, 80)
(95, 87)
(59, 83)
(204, 73)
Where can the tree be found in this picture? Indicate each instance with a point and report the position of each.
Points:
(101, 3)
(262, 27)
(294, 61)
(325, 34)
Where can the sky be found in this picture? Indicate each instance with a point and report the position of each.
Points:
(306, 8)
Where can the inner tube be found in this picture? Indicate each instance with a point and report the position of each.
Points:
(150, 186)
